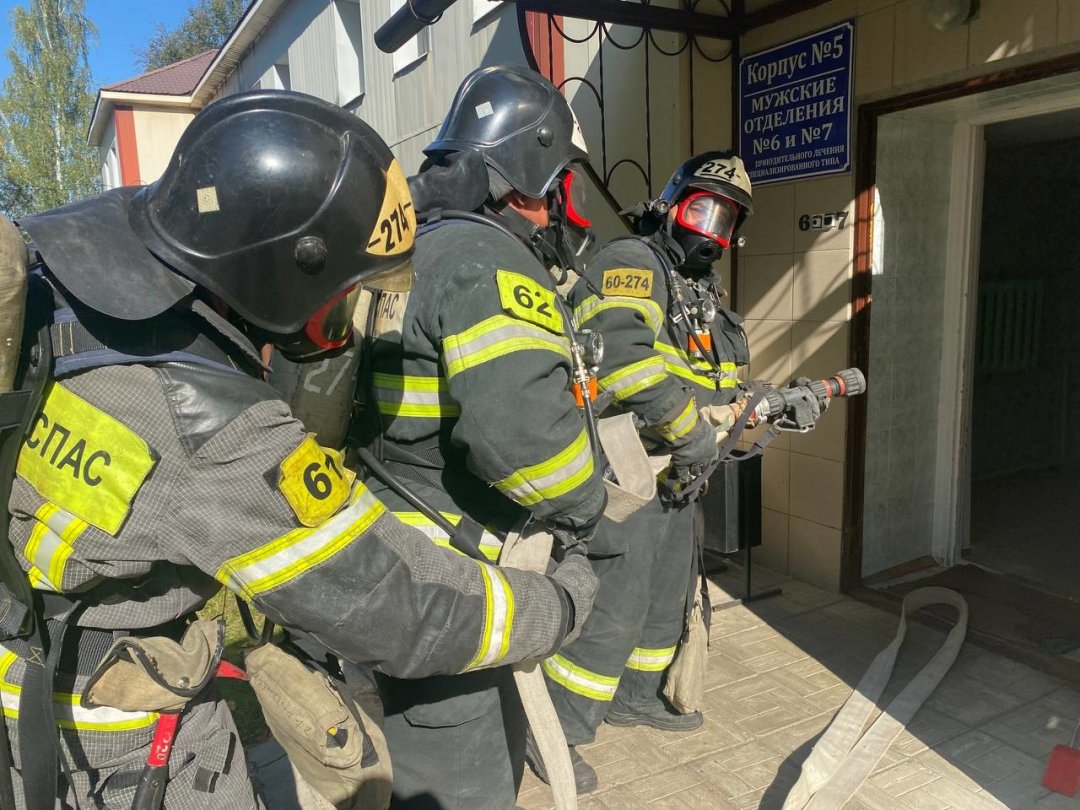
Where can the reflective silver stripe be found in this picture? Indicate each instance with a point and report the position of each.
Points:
(635, 377)
(408, 395)
(282, 560)
(682, 424)
(646, 660)
(50, 546)
(67, 706)
(498, 619)
(577, 679)
(647, 308)
(490, 545)
(549, 479)
(495, 337)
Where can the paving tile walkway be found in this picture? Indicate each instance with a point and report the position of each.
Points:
(778, 671)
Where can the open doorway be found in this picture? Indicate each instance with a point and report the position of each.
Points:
(1025, 430)
(972, 462)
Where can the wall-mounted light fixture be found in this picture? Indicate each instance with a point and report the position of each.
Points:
(947, 14)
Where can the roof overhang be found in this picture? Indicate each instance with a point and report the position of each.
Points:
(108, 100)
(251, 25)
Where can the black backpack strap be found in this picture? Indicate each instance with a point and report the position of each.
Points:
(21, 612)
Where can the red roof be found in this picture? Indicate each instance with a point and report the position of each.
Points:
(178, 79)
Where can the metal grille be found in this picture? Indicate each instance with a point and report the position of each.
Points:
(1009, 324)
(604, 169)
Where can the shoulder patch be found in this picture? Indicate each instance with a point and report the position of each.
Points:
(314, 481)
(84, 460)
(527, 299)
(633, 282)
(390, 314)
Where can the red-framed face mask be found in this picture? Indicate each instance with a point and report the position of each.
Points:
(710, 215)
(573, 199)
(331, 325)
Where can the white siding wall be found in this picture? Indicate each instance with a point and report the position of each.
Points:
(407, 108)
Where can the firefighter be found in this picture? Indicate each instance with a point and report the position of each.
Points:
(671, 349)
(160, 466)
(471, 407)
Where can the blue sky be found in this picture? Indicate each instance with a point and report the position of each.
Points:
(122, 26)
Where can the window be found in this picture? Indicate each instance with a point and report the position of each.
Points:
(481, 8)
(349, 52)
(415, 49)
(110, 170)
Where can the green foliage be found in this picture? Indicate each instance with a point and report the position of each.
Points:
(207, 25)
(45, 109)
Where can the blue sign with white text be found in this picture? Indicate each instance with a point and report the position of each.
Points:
(795, 105)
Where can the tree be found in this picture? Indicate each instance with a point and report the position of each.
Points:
(207, 25)
(45, 109)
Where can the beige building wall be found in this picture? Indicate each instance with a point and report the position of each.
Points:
(795, 286)
(156, 134)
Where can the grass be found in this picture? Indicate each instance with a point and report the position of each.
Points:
(238, 694)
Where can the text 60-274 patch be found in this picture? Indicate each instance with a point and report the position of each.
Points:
(628, 281)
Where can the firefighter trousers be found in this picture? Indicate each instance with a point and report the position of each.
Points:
(636, 622)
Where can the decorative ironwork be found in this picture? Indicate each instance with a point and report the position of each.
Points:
(686, 20)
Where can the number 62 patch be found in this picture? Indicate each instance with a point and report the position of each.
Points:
(314, 481)
(526, 298)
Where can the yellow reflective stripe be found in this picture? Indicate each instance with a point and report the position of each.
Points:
(648, 309)
(561, 473)
(490, 545)
(495, 337)
(498, 619)
(681, 364)
(420, 519)
(635, 377)
(69, 711)
(291, 555)
(646, 660)
(579, 680)
(681, 424)
(409, 395)
(51, 545)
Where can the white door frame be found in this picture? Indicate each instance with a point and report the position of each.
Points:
(953, 463)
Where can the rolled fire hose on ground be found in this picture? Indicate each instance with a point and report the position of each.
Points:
(14, 261)
(529, 550)
(845, 756)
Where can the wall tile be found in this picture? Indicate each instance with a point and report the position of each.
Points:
(814, 553)
(825, 195)
(775, 479)
(922, 52)
(866, 7)
(1005, 28)
(797, 25)
(817, 488)
(1068, 27)
(770, 349)
(875, 33)
(769, 229)
(774, 540)
(821, 289)
(827, 439)
(765, 286)
(818, 349)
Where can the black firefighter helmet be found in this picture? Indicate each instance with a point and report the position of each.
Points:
(518, 121)
(276, 202)
(705, 203)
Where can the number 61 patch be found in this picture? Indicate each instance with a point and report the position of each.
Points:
(314, 481)
(527, 299)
